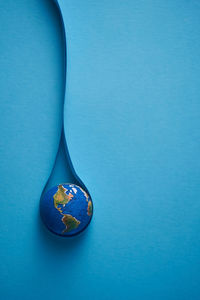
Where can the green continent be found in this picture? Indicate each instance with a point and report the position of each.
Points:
(89, 208)
(60, 197)
(70, 223)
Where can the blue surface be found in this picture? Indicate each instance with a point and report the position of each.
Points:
(132, 123)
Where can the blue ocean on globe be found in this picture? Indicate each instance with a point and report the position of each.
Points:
(66, 209)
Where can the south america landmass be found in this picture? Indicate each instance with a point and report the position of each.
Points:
(70, 223)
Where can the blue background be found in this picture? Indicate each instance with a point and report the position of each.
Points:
(132, 121)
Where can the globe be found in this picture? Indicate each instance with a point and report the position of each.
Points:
(66, 209)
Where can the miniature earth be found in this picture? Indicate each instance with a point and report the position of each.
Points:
(66, 209)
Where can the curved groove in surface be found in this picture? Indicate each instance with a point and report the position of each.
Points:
(63, 142)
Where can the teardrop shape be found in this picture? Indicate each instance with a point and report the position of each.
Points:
(66, 208)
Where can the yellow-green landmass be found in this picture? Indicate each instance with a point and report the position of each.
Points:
(61, 198)
(70, 223)
(89, 208)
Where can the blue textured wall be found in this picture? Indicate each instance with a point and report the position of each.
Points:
(132, 125)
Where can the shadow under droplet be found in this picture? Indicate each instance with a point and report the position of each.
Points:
(57, 243)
